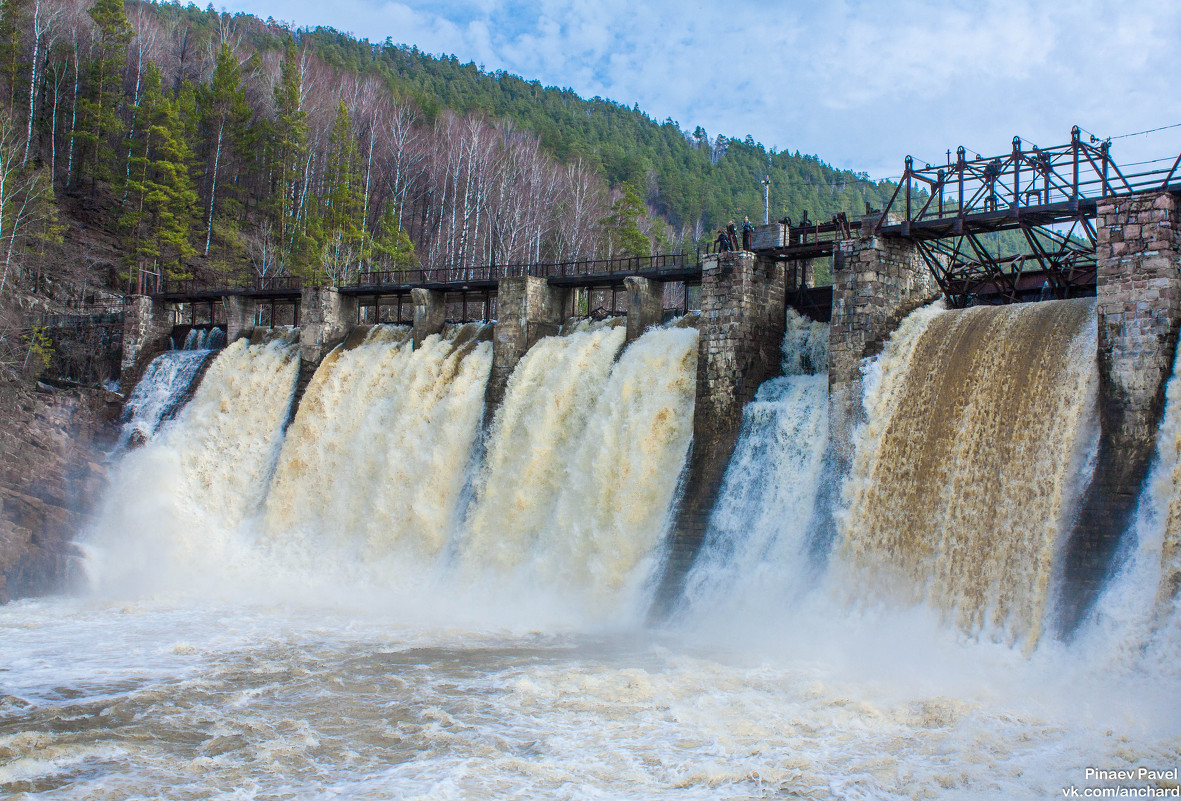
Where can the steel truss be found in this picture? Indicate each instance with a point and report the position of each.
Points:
(1049, 194)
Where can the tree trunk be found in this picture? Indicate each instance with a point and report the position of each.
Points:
(73, 121)
(32, 81)
(53, 130)
(213, 186)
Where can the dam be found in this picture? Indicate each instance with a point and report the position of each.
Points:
(1087, 374)
(922, 548)
(1121, 297)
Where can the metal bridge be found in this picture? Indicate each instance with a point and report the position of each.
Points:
(1049, 195)
(953, 213)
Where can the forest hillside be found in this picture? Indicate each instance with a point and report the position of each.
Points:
(143, 141)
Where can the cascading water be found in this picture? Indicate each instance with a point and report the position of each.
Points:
(583, 463)
(204, 339)
(1138, 617)
(615, 509)
(572, 497)
(375, 459)
(755, 548)
(965, 477)
(548, 402)
(165, 385)
(236, 689)
(204, 477)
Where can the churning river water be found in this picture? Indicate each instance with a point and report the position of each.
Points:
(152, 699)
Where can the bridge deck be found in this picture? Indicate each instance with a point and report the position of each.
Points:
(1005, 219)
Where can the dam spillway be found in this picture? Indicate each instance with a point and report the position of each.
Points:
(976, 450)
(383, 472)
(459, 641)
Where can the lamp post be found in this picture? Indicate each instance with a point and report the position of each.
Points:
(766, 199)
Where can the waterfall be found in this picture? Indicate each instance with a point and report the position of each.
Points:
(547, 405)
(164, 387)
(382, 477)
(979, 428)
(180, 496)
(613, 511)
(756, 543)
(375, 459)
(204, 339)
(582, 464)
(1138, 617)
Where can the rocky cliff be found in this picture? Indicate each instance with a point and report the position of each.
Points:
(53, 444)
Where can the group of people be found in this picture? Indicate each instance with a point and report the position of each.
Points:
(728, 238)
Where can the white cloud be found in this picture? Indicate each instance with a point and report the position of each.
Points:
(859, 83)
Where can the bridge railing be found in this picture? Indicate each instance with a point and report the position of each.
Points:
(276, 283)
(1022, 179)
(449, 274)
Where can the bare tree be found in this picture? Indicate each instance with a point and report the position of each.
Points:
(263, 247)
(44, 17)
(24, 194)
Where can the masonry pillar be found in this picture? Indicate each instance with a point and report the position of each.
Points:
(430, 313)
(877, 281)
(742, 322)
(645, 305)
(527, 309)
(241, 314)
(146, 327)
(326, 318)
(1138, 300)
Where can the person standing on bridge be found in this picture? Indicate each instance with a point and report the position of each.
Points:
(748, 232)
(732, 232)
(723, 241)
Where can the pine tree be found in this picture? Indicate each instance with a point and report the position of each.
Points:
(100, 117)
(288, 148)
(161, 197)
(224, 115)
(140, 188)
(177, 211)
(624, 237)
(342, 202)
(392, 248)
(10, 47)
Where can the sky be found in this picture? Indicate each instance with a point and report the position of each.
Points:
(860, 84)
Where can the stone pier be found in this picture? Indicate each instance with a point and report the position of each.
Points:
(645, 305)
(241, 314)
(430, 313)
(1138, 294)
(326, 318)
(527, 309)
(742, 322)
(876, 282)
(146, 327)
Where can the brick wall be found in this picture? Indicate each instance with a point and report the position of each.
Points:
(1138, 297)
(326, 318)
(146, 326)
(876, 282)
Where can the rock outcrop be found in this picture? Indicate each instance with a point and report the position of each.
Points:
(52, 470)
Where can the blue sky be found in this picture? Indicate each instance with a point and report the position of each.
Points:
(861, 84)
